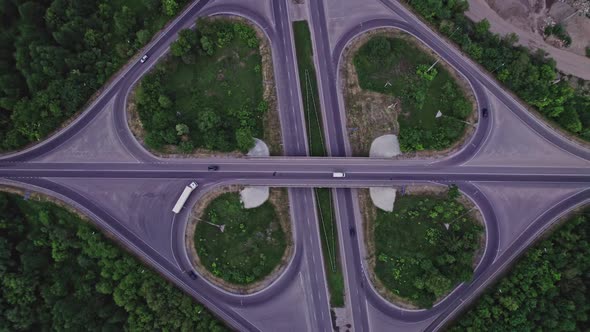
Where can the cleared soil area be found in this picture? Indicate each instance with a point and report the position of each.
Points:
(414, 258)
(222, 85)
(528, 18)
(371, 114)
(254, 247)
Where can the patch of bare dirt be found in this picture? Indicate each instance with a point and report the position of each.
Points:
(528, 19)
(279, 199)
(368, 212)
(371, 114)
(271, 121)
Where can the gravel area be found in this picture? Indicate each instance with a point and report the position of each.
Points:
(385, 146)
(527, 18)
(254, 196)
(260, 149)
(383, 197)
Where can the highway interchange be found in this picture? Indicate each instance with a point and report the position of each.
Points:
(521, 187)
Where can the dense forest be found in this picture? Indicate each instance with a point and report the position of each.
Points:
(532, 76)
(547, 290)
(55, 54)
(208, 92)
(58, 273)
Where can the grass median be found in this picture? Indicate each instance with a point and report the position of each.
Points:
(313, 118)
(309, 89)
(330, 248)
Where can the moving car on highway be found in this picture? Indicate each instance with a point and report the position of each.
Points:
(484, 112)
(193, 275)
(184, 196)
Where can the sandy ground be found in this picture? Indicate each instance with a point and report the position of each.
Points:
(260, 149)
(385, 146)
(341, 319)
(383, 197)
(254, 196)
(527, 19)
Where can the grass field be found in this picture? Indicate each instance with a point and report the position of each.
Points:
(418, 258)
(251, 245)
(398, 67)
(216, 91)
(330, 248)
(309, 88)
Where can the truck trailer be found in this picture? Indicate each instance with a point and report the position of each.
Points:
(184, 196)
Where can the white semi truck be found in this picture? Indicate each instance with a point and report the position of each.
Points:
(184, 196)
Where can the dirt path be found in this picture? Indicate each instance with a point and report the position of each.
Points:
(567, 62)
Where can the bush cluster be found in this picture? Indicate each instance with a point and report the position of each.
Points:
(559, 31)
(425, 247)
(251, 245)
(219, 106)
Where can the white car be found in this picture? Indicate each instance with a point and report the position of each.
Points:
(338, 174)
(143, 58)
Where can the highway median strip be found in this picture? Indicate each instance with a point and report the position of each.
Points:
(310, 96)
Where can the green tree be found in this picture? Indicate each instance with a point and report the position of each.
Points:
(453, 192)
(164, 101)
(170, 7)
(546, 289)
(187, 39)
(244, 139)
(182, 129)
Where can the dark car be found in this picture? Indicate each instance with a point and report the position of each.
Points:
(193, 275)
(352, 231)
(213, 168)
(484, 112)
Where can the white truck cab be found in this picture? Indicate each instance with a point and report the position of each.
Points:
(338, 175)
(184, 196)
